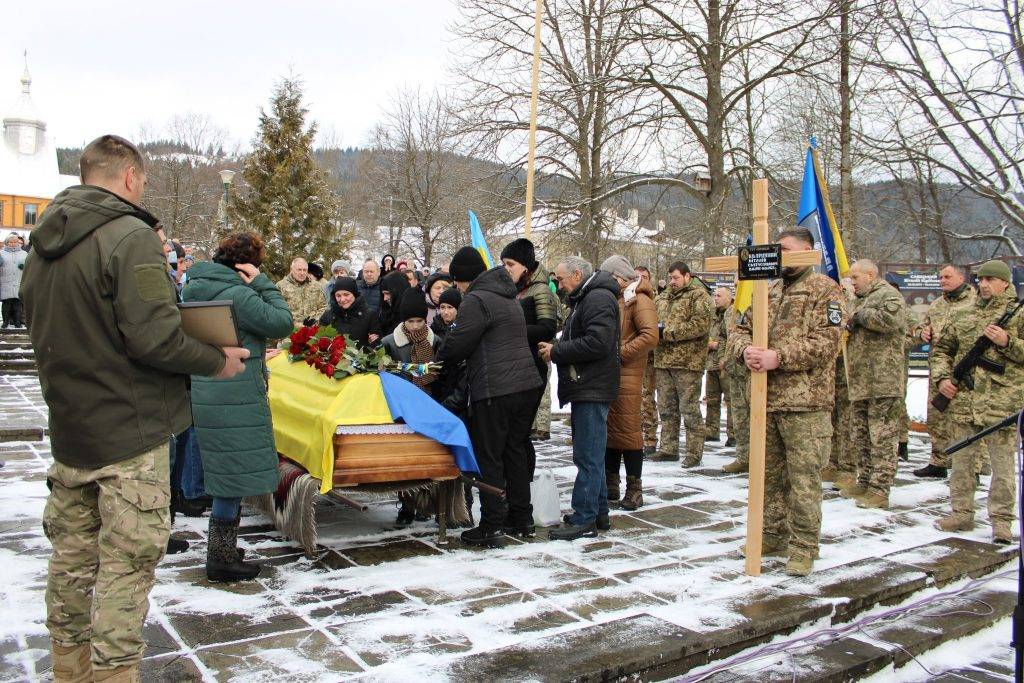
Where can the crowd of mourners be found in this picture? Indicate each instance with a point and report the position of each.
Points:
(628, 355)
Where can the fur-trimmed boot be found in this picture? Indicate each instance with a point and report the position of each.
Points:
(222, 559)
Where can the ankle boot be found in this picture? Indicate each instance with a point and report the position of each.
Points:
(72, 664)
(613, 481)
(634, 496)
(222, 560)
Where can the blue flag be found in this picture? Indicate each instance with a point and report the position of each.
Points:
(815, 214)
(479, 243)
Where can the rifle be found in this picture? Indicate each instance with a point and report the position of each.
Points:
(964, 443)
(963, 372)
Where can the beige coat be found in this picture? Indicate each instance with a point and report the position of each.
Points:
(639, 325)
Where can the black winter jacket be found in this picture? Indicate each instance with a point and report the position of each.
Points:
(395, 284)
(357, 321)
(587, 355)
(490, 334)
(369, 293)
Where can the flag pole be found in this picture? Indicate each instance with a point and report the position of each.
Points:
(531, 158)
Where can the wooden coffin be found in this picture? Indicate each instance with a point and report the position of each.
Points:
(371, 458)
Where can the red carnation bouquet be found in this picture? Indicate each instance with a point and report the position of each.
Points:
(335, 355)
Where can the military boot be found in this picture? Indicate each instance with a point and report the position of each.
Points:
(872, 500)
(612, 480)
(844, 479)
(903, 453)
(771, 546)
(71, 664)
(735, 467)
(1002, 533)
(661, 456)
(954, 522)
(222, 559)
(691, 461)
(799, 565)
(634, 496)
(854, 490)
(121, 674)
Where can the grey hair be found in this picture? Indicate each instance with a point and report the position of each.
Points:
(574, 263)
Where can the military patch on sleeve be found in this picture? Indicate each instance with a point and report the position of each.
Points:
(835, 313)
(153, 283)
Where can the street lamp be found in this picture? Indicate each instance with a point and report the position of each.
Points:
(226, 176)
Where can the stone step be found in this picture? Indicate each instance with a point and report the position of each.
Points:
(18, 366)
(652, 648)
(16, 354)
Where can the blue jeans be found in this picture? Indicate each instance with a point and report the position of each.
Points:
(589, 437)
(186, 465)
(226, 508)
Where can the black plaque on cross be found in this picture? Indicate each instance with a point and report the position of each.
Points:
(760, 262)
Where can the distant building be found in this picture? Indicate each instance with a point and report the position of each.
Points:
(29, 177)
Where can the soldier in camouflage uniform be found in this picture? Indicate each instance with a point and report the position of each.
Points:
(875, 369)
(994, 397)
(648, 409)
(841, 470)
(910, 340)
(305, 299)
(957, 297)
(804, 318)
(738, 382)
(715, 387)
(685, 311)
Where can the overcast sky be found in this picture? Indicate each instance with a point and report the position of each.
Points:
(111, 66)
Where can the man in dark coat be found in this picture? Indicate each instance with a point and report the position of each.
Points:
(114, 366)
(369, 285)
(588, 363)
(490, 335)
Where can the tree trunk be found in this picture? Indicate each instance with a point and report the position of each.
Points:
(715, 146)
(846, 213)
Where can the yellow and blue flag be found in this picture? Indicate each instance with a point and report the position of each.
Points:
(479, 243)
(744, 289)
(815, 214)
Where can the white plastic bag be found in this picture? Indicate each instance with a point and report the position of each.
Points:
(544, 496)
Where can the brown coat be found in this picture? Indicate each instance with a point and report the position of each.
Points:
(639, 336)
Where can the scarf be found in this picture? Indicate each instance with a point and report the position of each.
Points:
(422, 352)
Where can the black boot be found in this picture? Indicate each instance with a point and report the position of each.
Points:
(186, 506)
(570, 532)
(521, 531)
(175, 545)
(489, 538)
(222, 560)
(406, 515)
(903, 451)
(931, 471)
(603, 522)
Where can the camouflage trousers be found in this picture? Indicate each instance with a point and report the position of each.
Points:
(796, 448)
(939, 430)
(542, 422)
(648, 409)
(739, 408)
(716, 391)
(109, 529)
(840, 458)
(679, 393)
(999, 449)
(874, 436)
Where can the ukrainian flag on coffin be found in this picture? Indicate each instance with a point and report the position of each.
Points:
(815, 214)
(307, 409)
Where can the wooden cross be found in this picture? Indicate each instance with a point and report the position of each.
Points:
(758, 380)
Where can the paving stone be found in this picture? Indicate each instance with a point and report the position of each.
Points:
(302, 655)
(862, 585)
(361, 605)
(506, 613)
(169, 669)
(447, 593)
(672, 516)
(388, 552)
(953, 558)
(203, 629)
(419, 633)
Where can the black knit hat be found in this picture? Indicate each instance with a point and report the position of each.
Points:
(451, 296)
(315, 269)
(467, 265)
(347, 284)
(413, 305)
(521, 251)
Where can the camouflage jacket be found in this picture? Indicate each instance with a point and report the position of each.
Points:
(994, 396)
(946, 306)
(685, 315)
(805, 316)
(719, 334)
(305, 300)
(734, 365)
(875, 351)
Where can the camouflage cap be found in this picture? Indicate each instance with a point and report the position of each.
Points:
(997, 269)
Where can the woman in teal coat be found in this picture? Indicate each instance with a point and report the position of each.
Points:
(232, 416)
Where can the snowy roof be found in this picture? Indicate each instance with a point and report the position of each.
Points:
(547, 221)
(28, 159)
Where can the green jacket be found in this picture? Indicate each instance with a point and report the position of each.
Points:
(686, 315)
(232, 416)
(113, 361)
(875, 351)
(994, 396)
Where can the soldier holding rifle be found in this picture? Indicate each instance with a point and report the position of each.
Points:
(978, 370)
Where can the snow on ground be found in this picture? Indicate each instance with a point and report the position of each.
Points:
(394, 604)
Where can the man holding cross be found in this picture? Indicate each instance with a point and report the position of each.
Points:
(804, 322)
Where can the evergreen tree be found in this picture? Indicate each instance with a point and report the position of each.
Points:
(286, 197)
